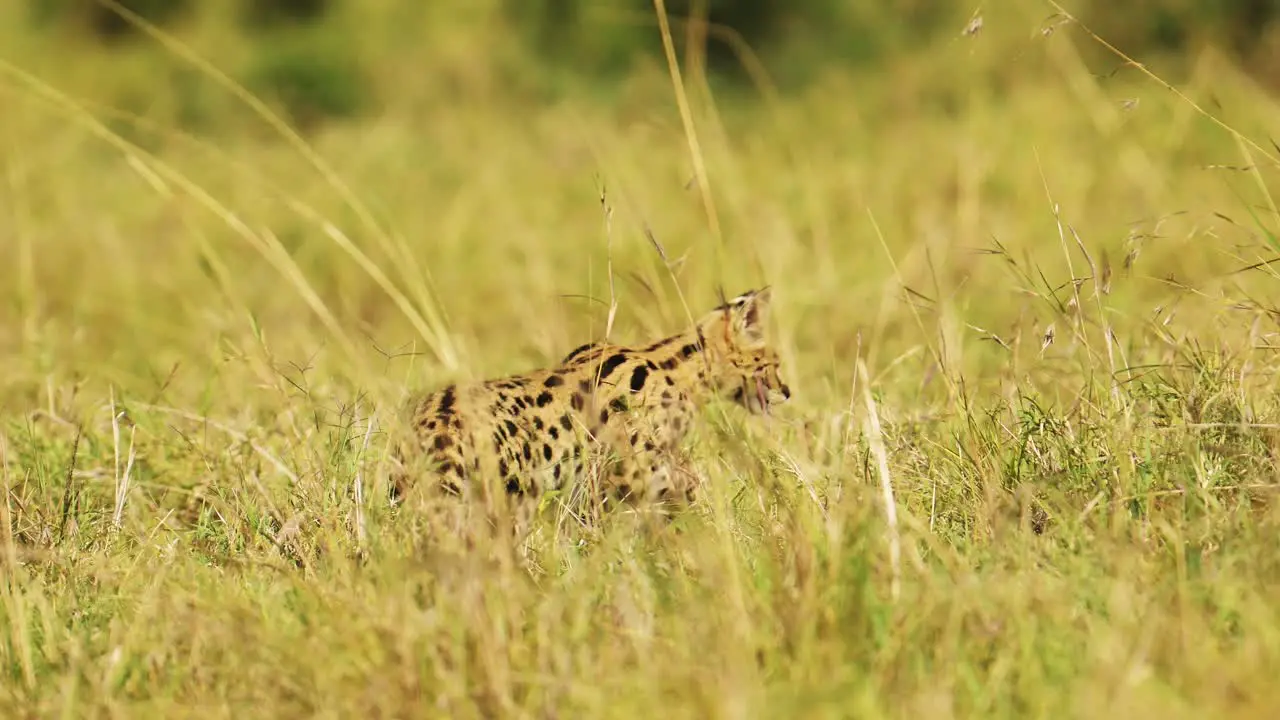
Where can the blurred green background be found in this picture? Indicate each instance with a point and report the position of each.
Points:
(430, 172)
(330, 59)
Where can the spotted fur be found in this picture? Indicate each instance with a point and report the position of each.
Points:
(609, 413)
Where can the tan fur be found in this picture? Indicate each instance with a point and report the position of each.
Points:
(621, 411)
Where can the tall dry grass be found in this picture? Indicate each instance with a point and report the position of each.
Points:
(1053, 278)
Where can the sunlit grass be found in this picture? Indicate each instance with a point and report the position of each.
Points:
(206, 336)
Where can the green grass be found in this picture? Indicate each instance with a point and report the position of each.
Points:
(203, 341)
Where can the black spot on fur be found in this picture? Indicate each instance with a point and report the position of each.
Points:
(554, 432)
(609, 365)
(447, 400)
(618, 404)
(566, 422)
(503, 468)
(443, 441)
(511, 428)
(638, 376)
(661, 343)
(528, 452)
(688, 350)
(670, 363)
(546, 452)
(513, 487)
(578, 401)
(604, 416)
(544, 399)
(578, 351)
(538, 424)
(553, 381)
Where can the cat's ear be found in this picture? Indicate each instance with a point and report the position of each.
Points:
(740, 322)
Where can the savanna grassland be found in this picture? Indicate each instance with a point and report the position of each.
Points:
(1020, 288)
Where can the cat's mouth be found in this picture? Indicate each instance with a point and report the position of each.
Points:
(757, 396)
